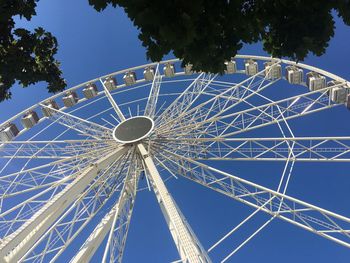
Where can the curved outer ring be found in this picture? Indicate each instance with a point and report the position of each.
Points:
(261, 58)
(139, 139)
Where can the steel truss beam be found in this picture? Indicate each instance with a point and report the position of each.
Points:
(185, 100)
(43, 176)
(14, 246)
(229, 124)
(114, 249)
(220, 103)
(151, 105)
(112, 102)
(304, 215)
(325, 149)
(51, 149)
(188, 246)
(73, 221)
(80, 125)
(116, 222)
(67, 192)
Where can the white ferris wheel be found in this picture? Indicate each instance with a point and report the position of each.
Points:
(85, 150)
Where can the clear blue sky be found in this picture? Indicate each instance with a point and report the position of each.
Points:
(93, 44)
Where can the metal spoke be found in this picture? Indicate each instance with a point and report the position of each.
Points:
(185, 100)
(315, 149)
(80, 125)
(55, 183)
(16, 244)
(51, 149)
(224, 101)
(309, 217)
(112, 102)
(151, 105)
(116, 222)
(286, 173)
(248, 239)
(264, 115)
(188, 245)
(73, 221)
(42, 176)
(114, 249)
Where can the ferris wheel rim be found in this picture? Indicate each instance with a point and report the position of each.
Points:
(163, 62)
(195, 161)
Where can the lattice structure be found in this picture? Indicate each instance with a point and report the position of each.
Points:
(57, 186)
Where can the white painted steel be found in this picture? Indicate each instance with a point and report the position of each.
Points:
(309, 217)
(75, 219)
(187, 244)
(202, 122)
(112, 220)
(151, 105)
(111, 100)
(14, 246)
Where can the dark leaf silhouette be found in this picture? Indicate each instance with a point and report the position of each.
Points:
(26, 57)
(206, 33)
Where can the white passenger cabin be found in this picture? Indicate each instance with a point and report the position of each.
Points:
(231, 67)
(188, 69)
(315, 81)
(90, 91)
(148, 73)
(110, 83)
(70, 99)
(338, 94)
(30, 119)
(130, 78)
(294, 75)
(169, 70)
(51, 104)
(251, 67)
(273, 70)
(9, 132)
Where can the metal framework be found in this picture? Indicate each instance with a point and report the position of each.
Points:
(65, 169)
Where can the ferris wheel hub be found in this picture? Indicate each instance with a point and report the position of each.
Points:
(133, 129)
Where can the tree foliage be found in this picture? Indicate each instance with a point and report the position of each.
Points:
(205, 33)
(26, 57)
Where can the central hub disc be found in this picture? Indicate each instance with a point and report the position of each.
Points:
(133, 129)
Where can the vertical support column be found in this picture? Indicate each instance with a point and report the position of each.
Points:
(14, 246)
(151, 105)
(187, 244)
(115, 222)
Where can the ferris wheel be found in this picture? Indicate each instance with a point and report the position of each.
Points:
(85, 153)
